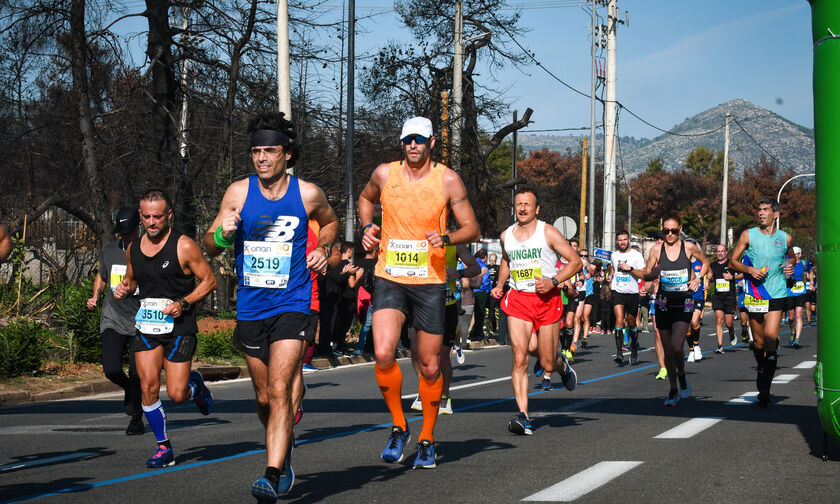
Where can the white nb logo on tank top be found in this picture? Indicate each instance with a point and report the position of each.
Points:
(283, 229)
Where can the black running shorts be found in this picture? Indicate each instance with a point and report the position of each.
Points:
(724, 303)
(180, 348)
(424, 304)
(630, 302)
(255, 336)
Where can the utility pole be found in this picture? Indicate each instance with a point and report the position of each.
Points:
(284, 82)
(513, 172)
(591, 238)
(350, 221)
(284, 86)
(723, 239)
(583, 193)
(457, 88)
(609, 130)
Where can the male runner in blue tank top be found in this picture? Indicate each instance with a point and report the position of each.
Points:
(163, 264)
(265, 218)
(763, 249)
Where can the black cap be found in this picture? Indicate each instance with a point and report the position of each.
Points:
(126, 221)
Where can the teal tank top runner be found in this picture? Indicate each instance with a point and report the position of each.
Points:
(768, 252)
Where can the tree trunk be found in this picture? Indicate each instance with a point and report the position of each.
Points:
(78, 60)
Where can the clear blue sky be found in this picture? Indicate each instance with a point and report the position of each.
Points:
(676, 59)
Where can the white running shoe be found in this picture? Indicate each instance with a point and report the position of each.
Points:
(698, 355)
(459, 354)
(690, 356)
(417, 405)
(445, 406)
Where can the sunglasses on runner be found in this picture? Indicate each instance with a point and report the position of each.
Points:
(675, 231)
(418, 139)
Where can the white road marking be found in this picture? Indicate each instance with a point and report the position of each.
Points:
(583, 482)
(785, 378)
(747, 398)
(808, 364)
(689, 428)
(468, 385)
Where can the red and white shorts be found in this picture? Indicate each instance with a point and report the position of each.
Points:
(541, 309)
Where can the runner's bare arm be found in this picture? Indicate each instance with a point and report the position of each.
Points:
(98, 287)
(129, 284)
(504, 271)
(192, 261)
(367, 199)
(318, 208)
(735, 261)
(228, 216)
(471, 267)
(788, 268)
(456, 194)
(559, 244)
(694, 251)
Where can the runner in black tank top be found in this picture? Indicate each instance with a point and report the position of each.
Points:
(163, 265)
(674, 305)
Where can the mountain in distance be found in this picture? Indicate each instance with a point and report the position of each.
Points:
(791, 144)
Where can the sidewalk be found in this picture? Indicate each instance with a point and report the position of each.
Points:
(210, 373)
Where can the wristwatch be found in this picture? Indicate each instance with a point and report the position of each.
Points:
(445, 239)
(185, 305)
(555, 282)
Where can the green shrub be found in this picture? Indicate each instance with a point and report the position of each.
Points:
(218, 345)
(79, 326)
(22, 345)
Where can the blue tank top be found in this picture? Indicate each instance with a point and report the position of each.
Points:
(589, 287)
(270, 253)
(767, 252)
(796, 287)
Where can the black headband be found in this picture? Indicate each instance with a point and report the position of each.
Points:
(263, 137)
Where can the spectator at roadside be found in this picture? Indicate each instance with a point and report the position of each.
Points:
(363, 280)
(481, 293)
(493, 303)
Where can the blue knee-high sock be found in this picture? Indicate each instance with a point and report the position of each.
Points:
(157, 420)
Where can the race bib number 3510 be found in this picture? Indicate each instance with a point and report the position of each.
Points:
(150, 318)
(266, 264)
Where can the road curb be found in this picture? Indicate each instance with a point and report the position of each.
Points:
(210, 373)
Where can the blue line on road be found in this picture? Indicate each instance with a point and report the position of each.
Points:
(157, 472)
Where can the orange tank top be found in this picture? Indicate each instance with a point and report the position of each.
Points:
(409, 209)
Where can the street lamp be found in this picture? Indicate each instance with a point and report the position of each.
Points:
(778, 196)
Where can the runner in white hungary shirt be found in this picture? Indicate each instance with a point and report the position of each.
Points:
(628, 267)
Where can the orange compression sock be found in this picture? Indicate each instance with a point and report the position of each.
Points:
(430, 393)
(389, 379)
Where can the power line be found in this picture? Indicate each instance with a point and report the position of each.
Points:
(702, 133)
(761, 146)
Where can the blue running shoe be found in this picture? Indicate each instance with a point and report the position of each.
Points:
(538, 369)
(163, 457)
(202, 396)
(569, 377)
(265, 491)
(393, 451)
(546, 384)
(425, 455)
(521, 425)
(308, 368)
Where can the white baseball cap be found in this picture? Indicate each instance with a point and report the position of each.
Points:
(417, 126)
(797, 250)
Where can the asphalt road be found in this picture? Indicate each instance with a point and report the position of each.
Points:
(611, 440)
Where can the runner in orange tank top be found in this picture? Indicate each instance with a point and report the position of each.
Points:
(417, 195)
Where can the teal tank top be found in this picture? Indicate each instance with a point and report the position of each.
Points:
(769, 252)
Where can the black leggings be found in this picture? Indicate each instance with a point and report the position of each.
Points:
(114, 345)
